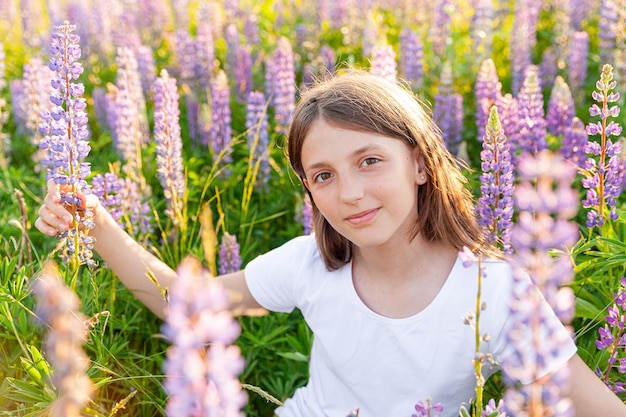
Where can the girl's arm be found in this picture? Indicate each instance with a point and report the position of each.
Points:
(130, 261)
(590, 396)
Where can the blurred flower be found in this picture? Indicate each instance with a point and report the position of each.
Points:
(169, 146)
(574, 143)
(107, 188)
(482, 29)
(577, 67)
(66, 332)
(205, 48)
(495, 205)
(448, 111)
(560, 108)
(607, 28)
(281, 83)
(146, 66)
(426, 409)
(202, 365)
(370, 35)
(383, 61)
(603, 174)
(221, 134)
(411, 58)
(65, 131)
(523, 39)
(531, 135)
(487, 90)
(307, 215)
(230, 259)
(439, 30)
(545, 201)
(257, 128)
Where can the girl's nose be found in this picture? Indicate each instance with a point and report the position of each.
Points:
(351, 189)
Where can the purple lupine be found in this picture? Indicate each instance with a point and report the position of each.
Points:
(577, 68)
(448, 111)
(186, 53)
(58, 309)
(546, 201)
(230, 259)
(169, 146)
(5, 145)
(495, 205)
(101, 24)
(508, 111)
(307, 216)
(487, 90)
(577, 13)
(181, 14)
(549, 66)
(65, 130)
(243, 72)
(328, 60)
(370, 35)
(482, 29)
(411, 58)
(192, 108)
(383, 62)
(607, 29)
(603, 177)
(34, 97)
(251, 29)
(560, 108)
(107, 188)
(205, 54)
(427, 409)
(612, 338)
(146, 66)
(257, 128)
(202, 365)
(233, 41)
(137, 214)
(439, 30)
(532, 131)
(521, 44)
(574, 143)
(283, 84)
(221, 130)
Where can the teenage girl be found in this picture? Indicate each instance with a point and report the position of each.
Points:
(380, 282)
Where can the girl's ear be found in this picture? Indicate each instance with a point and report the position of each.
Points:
(420, 167)
(306, 184)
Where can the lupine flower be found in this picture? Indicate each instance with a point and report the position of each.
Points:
(448, 111)
(560, 108)
(107, 188)
(201, 380)
(146, 66)
(612, 338)
(607, 28)
(169, 146)
(439, 30)
(574, 143)
(487, 90)
(508, 111)
(328, 59)
(307, 216)
(221, 131)
(495, 205)
(257, 127)
(577, 68)
(531, 135)
(230, 260)
(494, 410)
(522, 38)
(138, 217)
(65, 131)
(549, 66)
(482, 32)
(205, 50)
(186, 51)
(411, 57)
(66, 332)
(243, 72)
(603, 176)
(251, 29)
(383, 62)
(282, 89)
(545, 201)
(370, 35)
(427, 409)
(578, 12)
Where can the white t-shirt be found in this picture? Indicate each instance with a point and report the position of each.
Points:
(381, 365)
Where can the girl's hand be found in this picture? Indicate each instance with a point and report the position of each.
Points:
(55, 216)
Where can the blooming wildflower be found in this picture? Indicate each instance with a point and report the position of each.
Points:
(243, 72)
(482, 32)
(574, 143)
(307, 215)
(135, 209)
(205, 51)
(577, 68)
(492, 408)
(201, 380)
(257, 126)
(522, 41)
(549, 66)
(508, 112)
(107, 188)
(370, 35)
(186, 52)
(251, 29)
(560, 107)
(427, 409)
(612, 338)
(487, 90)
(230, 260)
(221, 131)
(65, 131)
(383, 62)
(531, 135)
(147, 68)
(439, 30)
(545, 201)
(495, 205)
(169, 146)
(58, 309)
(448, 111)
(607, 28)
(282, 89)
(411, 57)
(603, 174)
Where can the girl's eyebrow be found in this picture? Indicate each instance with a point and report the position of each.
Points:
(358, 152)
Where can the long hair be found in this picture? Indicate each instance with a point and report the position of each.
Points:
(364, 102)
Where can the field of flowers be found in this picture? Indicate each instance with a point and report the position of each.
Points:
(175, 112)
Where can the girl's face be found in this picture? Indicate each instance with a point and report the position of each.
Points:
(365, 185)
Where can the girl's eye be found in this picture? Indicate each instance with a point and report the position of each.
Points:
(370, 161)
(322, 176)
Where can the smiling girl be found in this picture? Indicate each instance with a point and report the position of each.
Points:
(380, 282)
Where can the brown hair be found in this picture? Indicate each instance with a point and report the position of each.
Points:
(361, 101)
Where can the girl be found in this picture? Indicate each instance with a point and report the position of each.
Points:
(380, 282)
